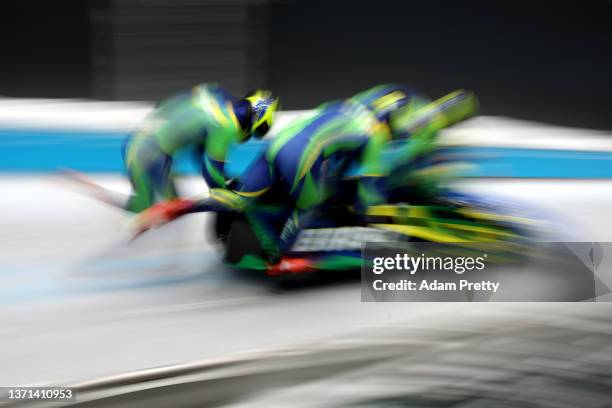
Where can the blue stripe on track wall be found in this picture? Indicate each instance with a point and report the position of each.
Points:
(27, 151)
(47, 151)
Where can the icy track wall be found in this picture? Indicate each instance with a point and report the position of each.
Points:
(42, 136)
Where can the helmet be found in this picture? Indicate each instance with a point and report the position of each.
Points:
(384, 99)
(263, 107)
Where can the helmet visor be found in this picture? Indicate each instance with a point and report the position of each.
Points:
(261, 130)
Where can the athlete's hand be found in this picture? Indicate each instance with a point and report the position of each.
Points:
(160, 214)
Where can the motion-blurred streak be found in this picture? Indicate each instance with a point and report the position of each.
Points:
(526, 355)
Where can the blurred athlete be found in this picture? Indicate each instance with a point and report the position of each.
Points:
(206, 120)
(339, 133)
(415, 119)
(412, 115)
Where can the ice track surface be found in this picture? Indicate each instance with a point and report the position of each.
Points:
(78, 301)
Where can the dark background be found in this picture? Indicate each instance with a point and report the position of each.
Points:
(538, 60)
(45, 49)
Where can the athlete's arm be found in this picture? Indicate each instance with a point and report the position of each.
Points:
(371, 188)
(256, 181)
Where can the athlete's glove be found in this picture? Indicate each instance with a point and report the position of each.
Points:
(162, 213)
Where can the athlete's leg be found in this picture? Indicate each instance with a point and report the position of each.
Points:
(305, 186)
(314, 191)
(149, 171)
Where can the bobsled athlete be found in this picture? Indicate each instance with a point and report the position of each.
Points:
(206, 120)
(414, 122)
(341, 132)
(412, 116)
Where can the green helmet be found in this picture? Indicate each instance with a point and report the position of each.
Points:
(263, 108)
